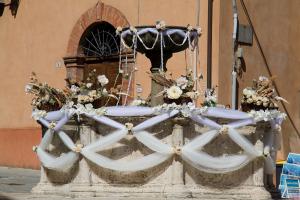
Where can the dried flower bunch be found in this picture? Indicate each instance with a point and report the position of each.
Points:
(45, 97)
(92, 91)
(177, 91)
(261, 96)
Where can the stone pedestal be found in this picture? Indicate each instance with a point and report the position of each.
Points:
(173, 179)
(156, 89)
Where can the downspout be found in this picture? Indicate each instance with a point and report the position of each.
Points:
(209, 43)
(233, 73)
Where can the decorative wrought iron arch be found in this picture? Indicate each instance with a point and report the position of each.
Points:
(99, 40)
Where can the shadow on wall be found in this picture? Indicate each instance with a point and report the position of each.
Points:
(5, 197)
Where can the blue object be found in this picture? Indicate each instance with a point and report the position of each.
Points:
(291, 169)
(290, 177)
(293, 158)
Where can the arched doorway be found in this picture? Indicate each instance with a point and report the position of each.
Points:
(93, 44)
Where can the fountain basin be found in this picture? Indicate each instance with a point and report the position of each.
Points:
(150, 40)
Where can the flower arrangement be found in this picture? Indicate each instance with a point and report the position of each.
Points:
(45, 97)
(177, 91)
(261, 96)
(92, 91)
(210, 98)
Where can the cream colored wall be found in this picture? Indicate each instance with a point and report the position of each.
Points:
(37, 39)
(33, 41)
(277, 26)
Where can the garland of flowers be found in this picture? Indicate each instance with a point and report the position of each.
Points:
(186, 111)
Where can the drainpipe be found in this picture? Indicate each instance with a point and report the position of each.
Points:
(209, 43)
(233, 73)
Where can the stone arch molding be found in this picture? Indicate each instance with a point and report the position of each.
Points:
(100, 12)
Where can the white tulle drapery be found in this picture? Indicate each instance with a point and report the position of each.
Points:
(62, 163)
(190, 152)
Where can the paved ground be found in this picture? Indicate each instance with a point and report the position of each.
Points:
(16, 184)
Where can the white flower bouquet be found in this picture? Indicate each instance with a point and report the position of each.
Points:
(210, 98)
(179, 91)
(91, 91)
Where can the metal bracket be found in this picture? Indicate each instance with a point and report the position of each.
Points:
(239, 52)
(245, 35)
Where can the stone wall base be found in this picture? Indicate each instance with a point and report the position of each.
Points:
(152, 191)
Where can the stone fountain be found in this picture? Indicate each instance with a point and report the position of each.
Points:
(175, 178)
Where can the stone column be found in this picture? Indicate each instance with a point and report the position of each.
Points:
(84, 174)
(155, 58)
(177, 142)
(258, 170)
(155, 89)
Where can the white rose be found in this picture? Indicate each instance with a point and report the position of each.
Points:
(265, 100)
(104, 92)
(174, 92)
(254, 97)
(84, 98)
(212, 98)
(102, 80)
(74, 89)
(93, 93)
(265, 104)
(248, 92)
(52, 125)
(249, 100)
(259, 98)
(129, 126)
(182, 82)
(89, 85)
